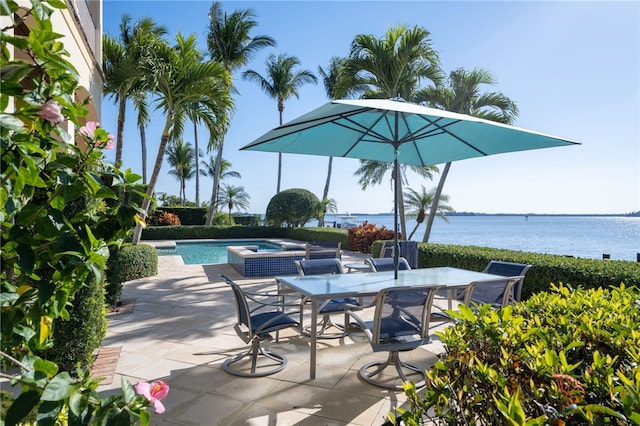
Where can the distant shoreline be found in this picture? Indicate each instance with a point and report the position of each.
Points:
(633, 214)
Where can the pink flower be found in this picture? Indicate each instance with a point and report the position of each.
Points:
(153, 392)
(50, 111)
(109, 144)
(89, 129)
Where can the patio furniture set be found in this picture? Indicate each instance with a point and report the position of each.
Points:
(398, 318)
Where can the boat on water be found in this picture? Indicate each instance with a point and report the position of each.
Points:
(348, 221)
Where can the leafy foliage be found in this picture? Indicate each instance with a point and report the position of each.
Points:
(126, 263)
(292, 207)
(569, 357)
(547, 268)
(362, 237)
(163, 218)
(53, 245)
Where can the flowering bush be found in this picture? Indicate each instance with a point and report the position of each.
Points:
(162, 218)
(50, 251)
(362, 237)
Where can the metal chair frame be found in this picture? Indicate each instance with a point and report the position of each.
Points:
(254, 328)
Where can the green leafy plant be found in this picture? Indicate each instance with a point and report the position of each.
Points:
(52, 244)
(126, 263)
(362, 237)
(162, 218)
(292, 207)
(568, 357)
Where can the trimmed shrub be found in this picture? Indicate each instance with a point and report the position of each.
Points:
(162, 218)
(129, 262)
(247, 220)
(547, 268)
(362, 237)
(188, 215)
(319, 235)
(565, 357)
(292, 207)
(75, 340)
(213, 232)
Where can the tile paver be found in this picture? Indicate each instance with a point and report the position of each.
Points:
(181, 330)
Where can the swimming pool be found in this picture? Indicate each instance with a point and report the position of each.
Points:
(213, 252)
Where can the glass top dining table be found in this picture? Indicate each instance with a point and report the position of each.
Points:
(331, 286)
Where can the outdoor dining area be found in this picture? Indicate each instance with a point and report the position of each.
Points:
(325, 346)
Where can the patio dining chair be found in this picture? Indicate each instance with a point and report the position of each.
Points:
(379, 264)
(254, 326)
(401, 323)
(326, 307)
(509, 269)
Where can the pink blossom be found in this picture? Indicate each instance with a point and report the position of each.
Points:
(89, 129)
(109, 144)
(153, 392)
(50, 111)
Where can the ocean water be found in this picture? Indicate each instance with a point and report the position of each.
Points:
(579, 236)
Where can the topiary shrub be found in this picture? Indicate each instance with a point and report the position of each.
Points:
(565, 357)
(129, 262)
(292, 207)
(362, 237)
(162, 218)
(76, 339)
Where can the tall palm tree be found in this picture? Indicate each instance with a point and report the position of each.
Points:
(419, 201)
(230, 43)
(234, 197)
(337, 85)
(181, 79)
(462, 94)
(324, 206)
(209, 169)
(393, 66)
(181, 158)
(124, 77)
(373, 172)
(281, 83)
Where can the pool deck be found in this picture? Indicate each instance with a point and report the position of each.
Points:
(180, 330)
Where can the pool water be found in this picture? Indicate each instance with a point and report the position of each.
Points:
(199, 253)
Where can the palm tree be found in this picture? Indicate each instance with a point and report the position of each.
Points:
(462, 94)
(392, 66)
(181, 79)
(124, 77)
(280, 84)
(337, 85)
(181, 158)
(373, 172)
(323, 207)
(234, 196)
(230, 43)
(418, 201)
(209, 169)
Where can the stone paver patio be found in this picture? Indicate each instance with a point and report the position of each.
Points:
(181, 330)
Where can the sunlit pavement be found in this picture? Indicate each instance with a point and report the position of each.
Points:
(181, 330)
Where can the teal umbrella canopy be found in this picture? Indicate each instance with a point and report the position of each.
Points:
(370, 129)
(399, 132)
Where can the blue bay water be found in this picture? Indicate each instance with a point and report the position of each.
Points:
(579, 236)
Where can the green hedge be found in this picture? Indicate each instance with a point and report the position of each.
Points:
(319, 235)
(128, 263)
(75, 340)
(547, 268)
(247, 219)
(187, 215)
(210, 232)
(569, 356)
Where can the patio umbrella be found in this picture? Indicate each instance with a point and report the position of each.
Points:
(399, 132)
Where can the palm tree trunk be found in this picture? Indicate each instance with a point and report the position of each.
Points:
(143, 146)
(120, 132)
(325, 194)
(280, 109)
(197, 149)
(414, 230)
(137, 233)
(183, 190)
(216, 183)
(436, 200)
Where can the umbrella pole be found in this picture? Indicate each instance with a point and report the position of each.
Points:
(396, 247)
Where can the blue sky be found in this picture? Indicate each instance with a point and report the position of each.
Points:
(573, 68)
